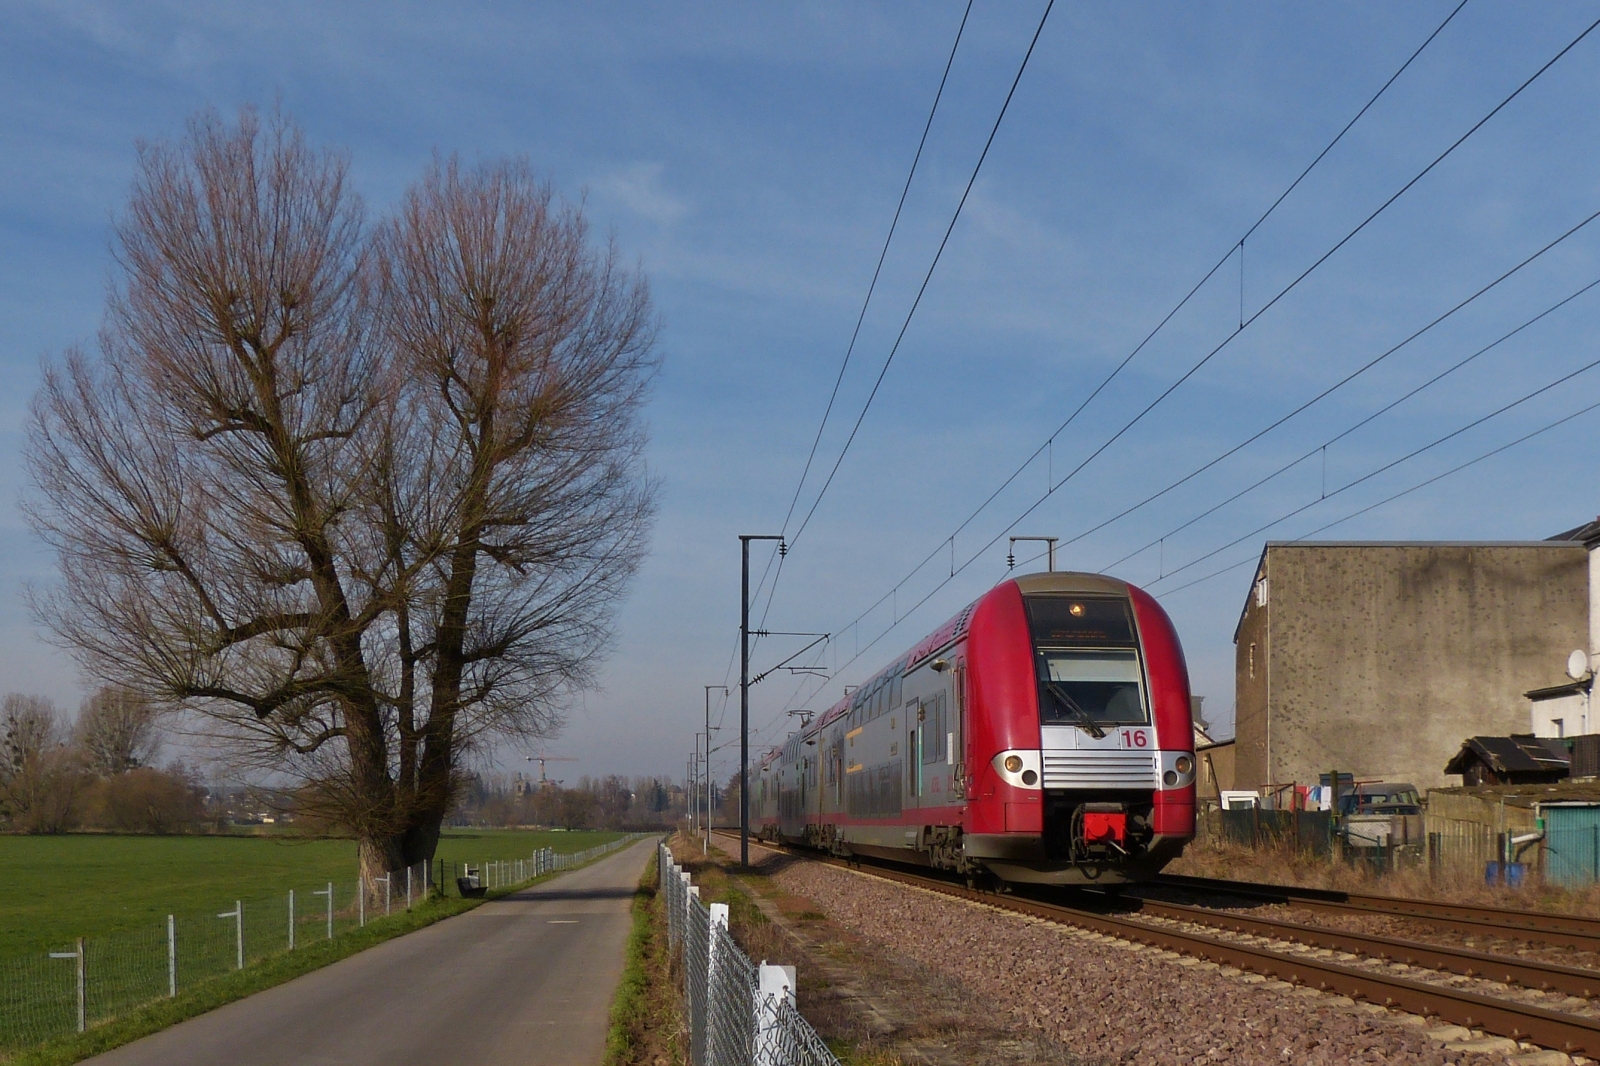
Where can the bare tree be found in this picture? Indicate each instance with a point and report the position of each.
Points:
(358, 500)
(516, 506)
(116, 731)
(39, 783)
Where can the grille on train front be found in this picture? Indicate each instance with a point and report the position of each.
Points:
(1099, 769)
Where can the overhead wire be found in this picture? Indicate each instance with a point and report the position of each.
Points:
(1346, 432)
(956, 569)
(856, 332)
(1245, 324)
(883, 254)
(921, 290)
(1366, 477)
(1195, 289)
(1403, 492)
(928, 275)
(1541, 390)
(1347, 379)
(1167, 318)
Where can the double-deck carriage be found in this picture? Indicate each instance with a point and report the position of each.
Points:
(1043, 734)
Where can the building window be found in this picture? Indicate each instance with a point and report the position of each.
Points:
(1261, 592)
(1560, 725)
(1252, 660)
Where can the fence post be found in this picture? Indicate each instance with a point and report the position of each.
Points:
(291, 919)
(361, 902)
(77, 956)
(83, 992)
(329, 893)
(172, 957)
(719, 922)
(237, 914)
(663, 868)
(408, 888)
(775, 987)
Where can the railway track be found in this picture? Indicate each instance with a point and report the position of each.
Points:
(1231, 939)
(1561, 930)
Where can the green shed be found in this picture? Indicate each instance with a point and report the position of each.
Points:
(1571, 843)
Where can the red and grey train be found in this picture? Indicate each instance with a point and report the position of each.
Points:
(1042, 735)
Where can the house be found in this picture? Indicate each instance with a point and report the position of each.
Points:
(1562, 709)
(1520, 759)
(1378, 657)
(1214, 761)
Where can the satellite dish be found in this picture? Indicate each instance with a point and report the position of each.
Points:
(1578, 664)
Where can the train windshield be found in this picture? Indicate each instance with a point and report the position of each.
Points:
(1084, 688)
(1087, 659)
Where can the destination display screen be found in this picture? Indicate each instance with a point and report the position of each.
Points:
(1075, 621)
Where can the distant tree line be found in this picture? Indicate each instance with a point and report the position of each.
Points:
(96, 772)
(611, 802)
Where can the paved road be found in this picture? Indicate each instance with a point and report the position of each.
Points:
(526, 980)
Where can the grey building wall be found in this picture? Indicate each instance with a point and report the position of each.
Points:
(1251, 657)
(1379, 658)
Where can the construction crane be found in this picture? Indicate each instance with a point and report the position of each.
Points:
(542, 759)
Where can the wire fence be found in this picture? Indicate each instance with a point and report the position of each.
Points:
(739, 1013)
(1443, 847)
(94, 979)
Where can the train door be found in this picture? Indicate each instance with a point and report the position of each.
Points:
(956, 729)
(931, 751)
(914, 740)
(838, 770)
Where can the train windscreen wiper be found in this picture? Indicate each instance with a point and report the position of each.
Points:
(1088, 724)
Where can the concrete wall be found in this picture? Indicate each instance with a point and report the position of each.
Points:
(1378, 659)
(1252, 648)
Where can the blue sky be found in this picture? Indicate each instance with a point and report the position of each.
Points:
(750, 157)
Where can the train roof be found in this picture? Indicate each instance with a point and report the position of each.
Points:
(1065, 582)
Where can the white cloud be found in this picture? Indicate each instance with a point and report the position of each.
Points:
(638, 188)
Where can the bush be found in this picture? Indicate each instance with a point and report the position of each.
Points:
(145, 800)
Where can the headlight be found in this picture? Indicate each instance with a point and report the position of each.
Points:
(1013, 763)
(1170, 777)
(1029, 777)
(1184, 764)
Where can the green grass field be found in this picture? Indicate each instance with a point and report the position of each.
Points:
(55, 888)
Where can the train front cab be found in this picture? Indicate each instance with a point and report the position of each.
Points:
(1082, 746)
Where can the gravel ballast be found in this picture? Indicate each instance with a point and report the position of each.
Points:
(1110, 1002)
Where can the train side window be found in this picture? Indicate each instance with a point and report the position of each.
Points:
(933, 730)
(894, 689)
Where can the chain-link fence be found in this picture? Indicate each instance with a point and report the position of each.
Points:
(740, 1014)
(94, 979)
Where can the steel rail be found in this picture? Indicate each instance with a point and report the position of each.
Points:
(1501, 1017)
(1562, 930)
(1548, 977)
